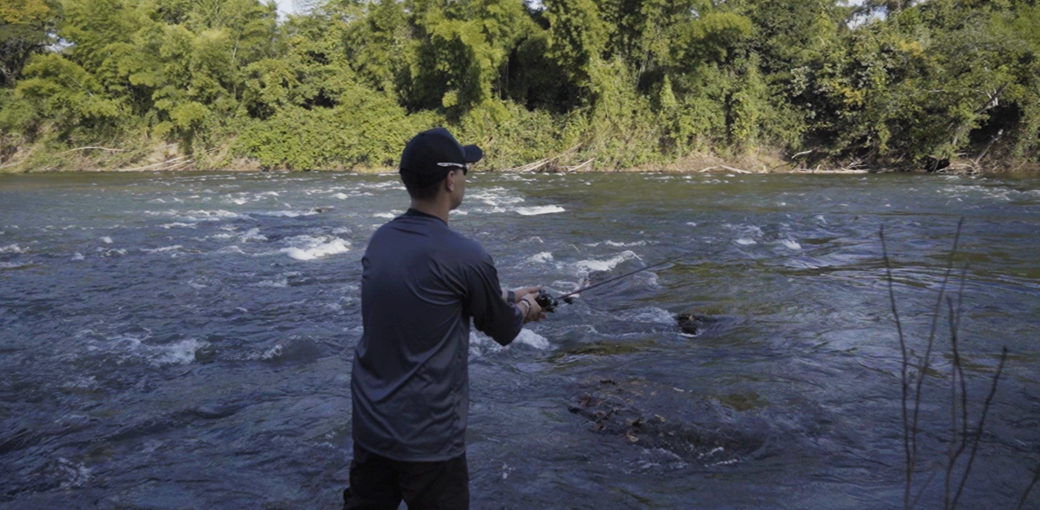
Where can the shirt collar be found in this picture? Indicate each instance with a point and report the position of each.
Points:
(415, 212)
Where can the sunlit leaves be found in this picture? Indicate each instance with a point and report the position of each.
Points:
(67, 91)
(623, 82)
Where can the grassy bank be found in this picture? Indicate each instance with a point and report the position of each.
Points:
(149, 155)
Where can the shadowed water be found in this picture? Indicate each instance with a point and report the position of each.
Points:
(184, 341)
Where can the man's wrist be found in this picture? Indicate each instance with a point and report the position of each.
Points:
(510, 296)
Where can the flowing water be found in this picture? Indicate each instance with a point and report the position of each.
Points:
(172, 341)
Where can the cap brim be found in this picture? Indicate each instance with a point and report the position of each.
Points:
(473, 153)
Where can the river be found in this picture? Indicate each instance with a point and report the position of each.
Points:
(172, 341)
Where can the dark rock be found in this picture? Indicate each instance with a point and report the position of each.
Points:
(934, 164)
(693, 323)
(698, 430)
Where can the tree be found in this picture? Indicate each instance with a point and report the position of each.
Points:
(577, 40)
(26, 28)
(459, 52)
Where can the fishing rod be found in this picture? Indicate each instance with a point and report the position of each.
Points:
(548, 302)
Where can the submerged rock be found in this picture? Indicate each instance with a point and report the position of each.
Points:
(693, 323)
(698, 430)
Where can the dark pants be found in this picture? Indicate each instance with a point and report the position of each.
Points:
(379, 483)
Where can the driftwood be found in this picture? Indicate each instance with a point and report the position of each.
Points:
(576, 167)
(531, 167)
(838, 171)
(96, 148)
(16, 163)
(168, 164)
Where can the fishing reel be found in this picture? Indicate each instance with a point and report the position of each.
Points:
(548, 302)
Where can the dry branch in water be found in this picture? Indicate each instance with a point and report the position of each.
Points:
(1025, 496)
(959, 429)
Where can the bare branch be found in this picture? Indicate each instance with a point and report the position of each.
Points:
(956, 446)
(905, 385)
(1036, 476)
(923, 487)
(923, 371)
(982, 423)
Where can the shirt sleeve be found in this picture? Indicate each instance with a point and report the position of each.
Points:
(491, 314)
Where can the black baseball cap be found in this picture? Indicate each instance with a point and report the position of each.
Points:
(430, 155)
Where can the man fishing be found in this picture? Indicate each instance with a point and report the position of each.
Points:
(421, 285)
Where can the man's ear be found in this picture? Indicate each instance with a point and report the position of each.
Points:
(449, 181)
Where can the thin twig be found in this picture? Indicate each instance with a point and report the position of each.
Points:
(902, 350)
(982, 423)
(1036, 476)
(957, 370)
(956, 373)
(923, 371)
(953, 452)
(960, 366)
(923, 487)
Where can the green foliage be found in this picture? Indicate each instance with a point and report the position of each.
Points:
(367, 128)
(25, 29)
(577, 41)
(66, 91)
(619, 82)
(17, 115)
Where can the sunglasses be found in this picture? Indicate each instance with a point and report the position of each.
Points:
(463, 166)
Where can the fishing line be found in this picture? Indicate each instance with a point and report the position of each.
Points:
(548, 302)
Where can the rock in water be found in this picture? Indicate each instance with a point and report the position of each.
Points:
(695, 429)
(693, 323)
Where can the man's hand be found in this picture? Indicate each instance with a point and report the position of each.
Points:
(528, 305)
(523, 291)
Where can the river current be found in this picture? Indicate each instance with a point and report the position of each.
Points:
(173, 341)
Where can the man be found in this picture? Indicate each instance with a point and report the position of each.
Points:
(421, 285)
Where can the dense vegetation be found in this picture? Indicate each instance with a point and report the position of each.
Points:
(623, 83)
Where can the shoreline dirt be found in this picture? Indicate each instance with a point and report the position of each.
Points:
(168, 158)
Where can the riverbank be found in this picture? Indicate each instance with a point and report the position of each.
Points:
(167, 157)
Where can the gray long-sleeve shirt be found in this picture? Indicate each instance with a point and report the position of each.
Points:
(421, 284)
